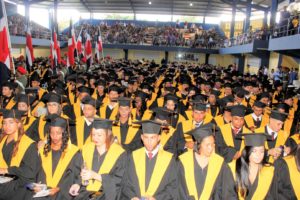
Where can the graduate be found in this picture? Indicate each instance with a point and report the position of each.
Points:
(18, 156)
(139, 104)
(123, 129)
(81, 93)
(203, 174)
(8, 95)
(105, 165)
(84, 122)
(109, 110)
(151, 171)
(255, 178)
(224, 118)
(256, 119)
(100, 91)
(288, 173)
(61, 161)
(275, 147)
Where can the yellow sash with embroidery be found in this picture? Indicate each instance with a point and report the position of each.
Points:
(25, 142)
(214, 168)
(164, 137)
(162, 162)
(228, 138)
(110, 160)
(265, 178)
(131, 133)
(10, 104)
(294, 174)
(53, 181)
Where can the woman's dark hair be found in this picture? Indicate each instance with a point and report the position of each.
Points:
(198, 143)
(242, 170)
(297, 157)
(65, 140)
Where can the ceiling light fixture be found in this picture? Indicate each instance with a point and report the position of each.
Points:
(150, 2)
(191, 4)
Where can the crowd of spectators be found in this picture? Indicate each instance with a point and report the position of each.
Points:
(17, 27)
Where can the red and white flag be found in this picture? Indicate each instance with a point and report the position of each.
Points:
(29, 49)
(4, 38)
(98, 46)
(88, 51)
(71, 46)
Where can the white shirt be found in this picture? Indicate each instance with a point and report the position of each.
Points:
(154, 152)
(87, 121)
(198, 123)
(235, 128)
(255, 117)
(270, 131)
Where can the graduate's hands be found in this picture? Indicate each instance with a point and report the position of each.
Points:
(74, 190)
(3, 171)
(87, 174)
(41, 144)
(237, 155)
(53, 191)
(135, 198)
(275, 152)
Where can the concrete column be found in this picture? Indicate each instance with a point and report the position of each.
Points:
(233, 19)
(248, 15)
(274, 8)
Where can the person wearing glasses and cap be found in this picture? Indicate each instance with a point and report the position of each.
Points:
(18, 156)
(110, 109)
(61, 161)
(124, 129)
(84, 122)
(275, 147)
(203, 174)
(35, 81)
(105, 163)
(81, 93)
(151, 171)
(254, 176)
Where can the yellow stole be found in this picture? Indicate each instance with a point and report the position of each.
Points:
(273, 98)
(213, 170)
(250, 121)
(113, 113)
(219, 120)
(42, 123)
(31, 120)
(53, 181)
(207, 119)
(288, 124)
(188, 125)
(150, 101)
(70, 94)
(162, 162)
(25, 142)
(80, 132)
(110, 160)
(10, 104)
(131, 133)
(77, 108)
(228, 138)
(294, 174)
(160, 102)
(296, 138)
(265, 178)
(40, 104)
(147, 115)
(280, 140)
(164, 137)
(41, 92)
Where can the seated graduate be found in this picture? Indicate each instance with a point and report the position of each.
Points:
(18, 156)
(203, 174)
(255, 178)
(105, 165)
(288, 173)
(61, 161)
(151, 171)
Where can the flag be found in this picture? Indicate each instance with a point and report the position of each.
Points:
(71, 46)
(4, 38)
(88, 51)
(98, 45)
(79, 45)
(54, 48)
(29, 49)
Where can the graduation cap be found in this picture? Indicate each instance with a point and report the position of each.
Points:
(16, 114)
(31, 91)
(123, 101)
(150, 126)
(88, 100)
(84, 89)
(259, 104)
(278, 115)
(53, 97)
(199, 106)
(28, 99)
(141, 94)
(114, 88)
(264, 95)
(35, 77)
(172, 90)
(99, 123)
(171, 97)
(57, 121)
(162, 113)
(201, 132)
(255, 139)
(100, 83)
(11, 85)
(200, 98)
(238, 110)
(283, 106)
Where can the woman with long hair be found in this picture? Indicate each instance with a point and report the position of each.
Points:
(288, 173)
(203, 174)
(18, 156)
(104, 165)
(61, 161)
(254, 176)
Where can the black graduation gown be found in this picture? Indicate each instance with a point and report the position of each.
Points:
(285, 188)
(167, 189)
(136, 142)
(111, 183)
(70, 176)
(223, 186)
(26, 173)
